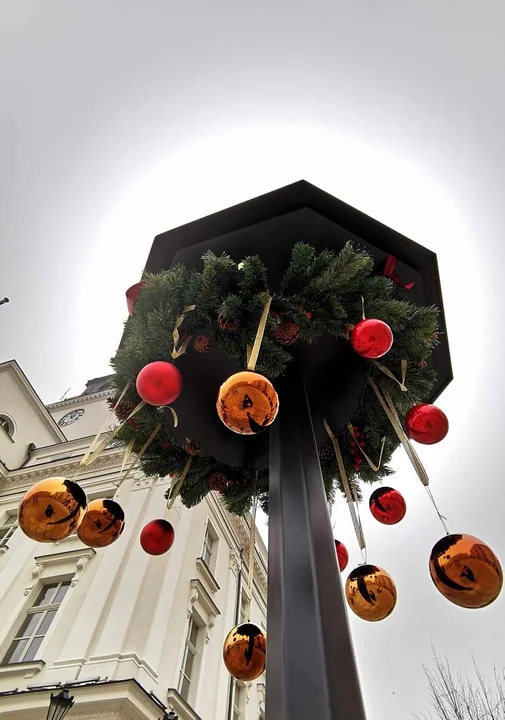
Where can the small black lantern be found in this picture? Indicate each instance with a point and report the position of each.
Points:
(59, 705)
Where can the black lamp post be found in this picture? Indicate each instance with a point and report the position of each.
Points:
(170, 716)
(4, 301)
(59, 705)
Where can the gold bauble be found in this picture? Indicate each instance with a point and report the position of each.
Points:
(244, 652)
(370, 593)
(466, 571)
(247, 403)
(102, 523)
(52, 509)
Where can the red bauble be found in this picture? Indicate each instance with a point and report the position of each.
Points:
(342, 555)
(426, 424)
(371, 338)
(131, 295)
(387, 505)
(159, 383)
(157, 537)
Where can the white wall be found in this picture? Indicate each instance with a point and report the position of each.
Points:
(29, 425)
(95, 411)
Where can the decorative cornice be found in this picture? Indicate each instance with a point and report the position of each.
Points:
(207, 575)
(35, 473)
(22, 669)
(79, 400)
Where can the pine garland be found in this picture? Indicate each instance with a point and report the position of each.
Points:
(321, 292)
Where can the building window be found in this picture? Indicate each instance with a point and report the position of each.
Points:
(189, 658)
(7, 426)
(238, 702)
(8, 528)
(245, 608)
(210, 543)
(37, 622)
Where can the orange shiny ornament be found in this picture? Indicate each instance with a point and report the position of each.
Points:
(247, 403)
(370, 593)
(244, 652)
(102, 523)
(52, 509)
(466, 571)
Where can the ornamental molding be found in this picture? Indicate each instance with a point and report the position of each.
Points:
(79, 400)
(30, 476)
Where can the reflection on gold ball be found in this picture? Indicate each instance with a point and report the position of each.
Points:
(102, 523)
(52, 509)
(466, 571)
(370, 592)
(247, 403)
(244, 652)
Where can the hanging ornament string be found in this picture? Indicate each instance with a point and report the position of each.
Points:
(390, 272)
(252, 358)
(350, 496)
(180, 350)
(252, 543)
(90, 456)
(176, 487)
(442, 518)
(373, 466)
(388, 372)
(390, 410)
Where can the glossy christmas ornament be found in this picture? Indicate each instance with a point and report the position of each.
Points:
(387, 505)
(371, 338)
(159, 383)
(131, 295)
(102, 524)
(247, 403)
(370, 593)
(52, 509)
(157, 537)
(244, 652)
(426, 424)
(466, 571)
(342, 555)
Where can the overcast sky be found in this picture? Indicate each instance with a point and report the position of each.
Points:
(122, 119)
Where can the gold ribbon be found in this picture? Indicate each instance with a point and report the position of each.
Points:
(102, 427)
(252, 541)
(253, 356)
(140, 455)
(174, 415)
(350, 496)
(388, 372)
(390, 410)
(175, 491)
(374, 467)
(177, 352)
(93, 454)
(127, 454)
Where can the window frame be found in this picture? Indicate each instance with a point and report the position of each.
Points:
(194, 649)
(34, 635)
(7, 426)
(210, 549)
(9, 527)
(238, 701)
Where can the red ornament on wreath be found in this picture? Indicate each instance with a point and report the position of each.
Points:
(426, 424)
(371, 338)
(159, 383)
(387, 505)
(157, 537)
(342, 555)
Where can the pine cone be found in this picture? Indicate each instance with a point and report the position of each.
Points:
(287, 332)
(218, 481)
(229, 325)
(326, 454)
(202, 343)
(192, 447)
(123, 409)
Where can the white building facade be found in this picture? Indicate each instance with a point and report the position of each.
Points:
(131, 635)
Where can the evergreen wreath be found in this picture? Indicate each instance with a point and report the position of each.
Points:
(321, 292)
